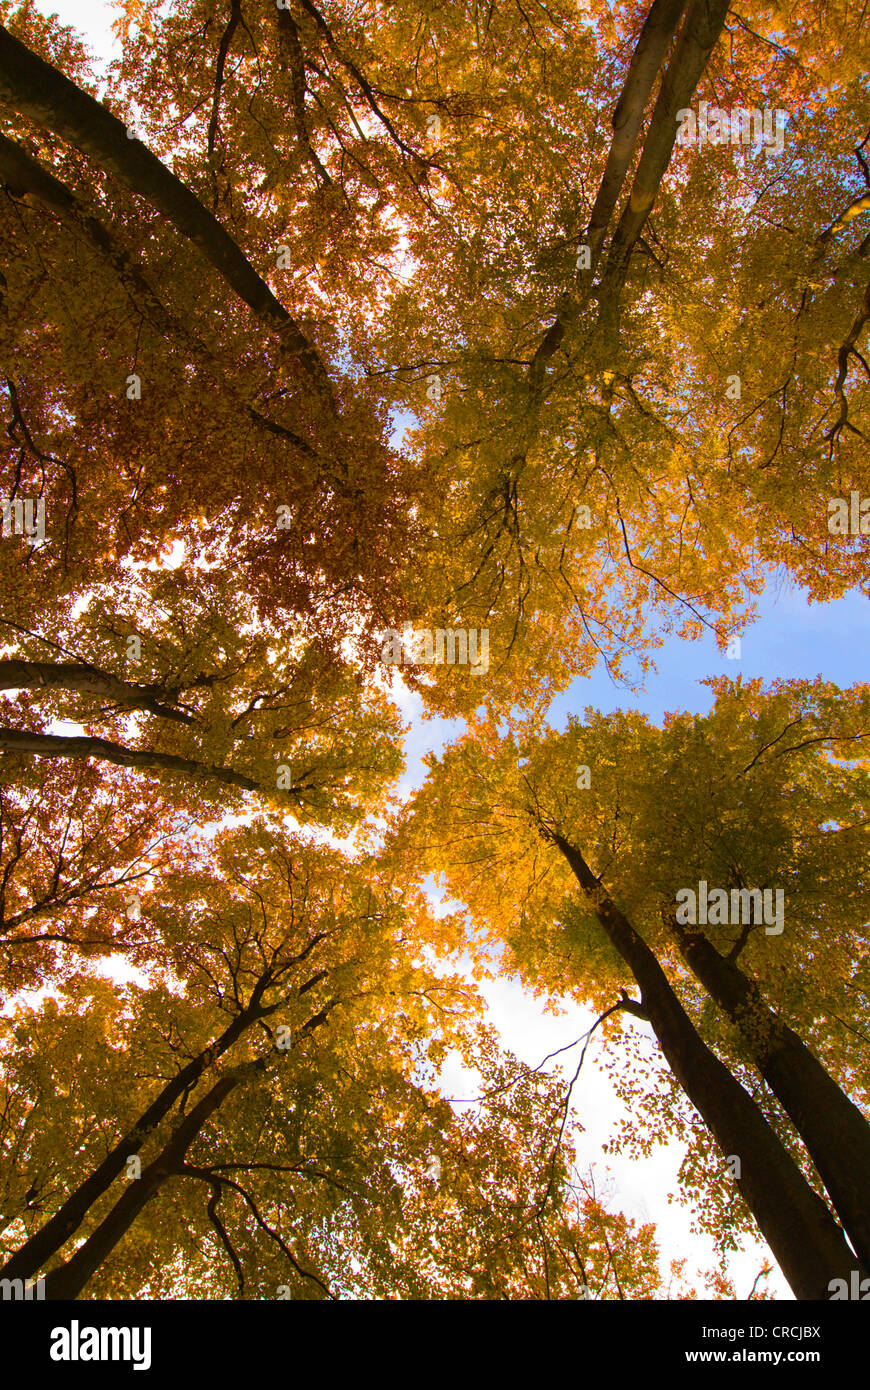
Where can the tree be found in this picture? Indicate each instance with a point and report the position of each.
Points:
(732, 818)
(75, 867)
(634, 370)
(82, 400)
(297, 1046)
(645, 435)
(486, 510)
(177, 676)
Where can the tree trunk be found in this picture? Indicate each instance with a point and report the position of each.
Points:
(31, 1256)
(68, 1280)
(39, 91)
(23, 175)
(658, 30)
(698, 37)
(836, 1134)
(655, 37)
(806, 1241)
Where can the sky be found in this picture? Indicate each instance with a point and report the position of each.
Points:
(790, 639)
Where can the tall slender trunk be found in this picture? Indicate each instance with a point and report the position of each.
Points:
(653, 42)
(806, 1241)
(698, 37)
(32, 1255)
(24, 175)
(43, 94)
(69, 1279)
(836, 1134)
(655, 38)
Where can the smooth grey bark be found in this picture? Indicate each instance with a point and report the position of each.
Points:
(806, 1241)
(833, 1129)
(698, 37)
(655, 38)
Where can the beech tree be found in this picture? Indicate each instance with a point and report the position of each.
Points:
(75, 866)
(630, 358)
(767, 789)
(258, 1118)
(184, 681)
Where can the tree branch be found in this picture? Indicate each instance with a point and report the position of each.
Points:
(82, 679)
(45, 95)
(84, 746)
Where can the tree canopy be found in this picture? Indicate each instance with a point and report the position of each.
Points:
(357, 350)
